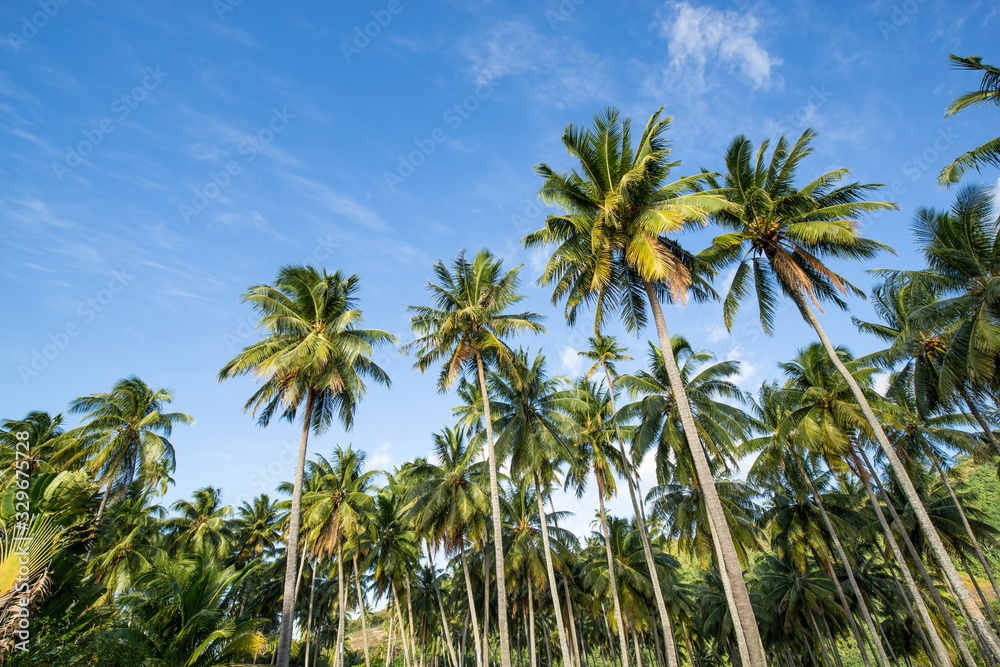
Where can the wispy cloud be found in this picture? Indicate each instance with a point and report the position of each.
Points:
(702, 40)
(341, 204)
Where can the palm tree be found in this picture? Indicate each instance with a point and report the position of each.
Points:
(124, 437)
(465, 328)
(315, 352)
(605, 353)
(258, 524)
(594, 453)
(988, 94)
(44, 439)
(612, 251)
(336, 510)
(780, 236)
(533, 421)
(204, 527)
(449, 504)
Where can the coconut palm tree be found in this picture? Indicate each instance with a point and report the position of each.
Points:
(465, 329)
(780, 236)
(449, 504)
(315, 353)
(205, 526)
(988, 94)
(532, 417)
(257, 523)
(606, 353)
(613, 251)
(124, 437)
(42, 438)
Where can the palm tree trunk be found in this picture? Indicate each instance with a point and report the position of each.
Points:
(472, 609)
(968, 529)
(979, 590)
(402, 628)
(413, 629)
(619, 620)
(504, 636)
(819, 638)
(635, 645)
(919, 564)
(918, 600)
(291, 549)
(532, 653)
(575, 660)
(444, 617)
(486, 606)
(361, 609)
(309, 618)
(741, 610)
(930, 532)
(916, 621)
(550, 570)
(342, 612)
(647, 547)
(388, 641)
(850, 577)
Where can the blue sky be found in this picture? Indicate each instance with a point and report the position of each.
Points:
(158, 158)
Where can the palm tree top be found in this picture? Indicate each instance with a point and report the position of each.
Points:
(604, 351)
(469, 316)
(313, 341)
(987, 154)
(782, 233)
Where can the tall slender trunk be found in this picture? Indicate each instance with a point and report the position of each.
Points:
(575, 636)
(402, 628)
(744, 622)
(550, 570)
(819, 638)
(968, 529)
(635, 645)
(342, 603)
(842, 555)
(918, 599)
(99, 516)
(979, 623)
(388, 640)
(979, 591)
(309, 618)
(486, 605)
(361, 609)
(413, 629)
(472, 608)
(504, 636)
(291, 549)
(647, 547)
(532, 653)
(444, 617)
(619, 620)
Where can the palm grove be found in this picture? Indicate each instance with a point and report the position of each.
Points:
(851, 541)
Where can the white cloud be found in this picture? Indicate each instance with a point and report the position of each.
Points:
(342, 204)
(748, 370)
(572, 362)
(717, 333)
(699, 37)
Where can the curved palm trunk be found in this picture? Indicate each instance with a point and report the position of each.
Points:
(444, 617)
(504, 635)
(744, 622)
(560, 628)
(283, 653)
(361, 609)
(850, 577)
(619, 621)
(930, 532)
(918, 600)
(472, 610)
(979, 418)
(968, 529)
(647, 547)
